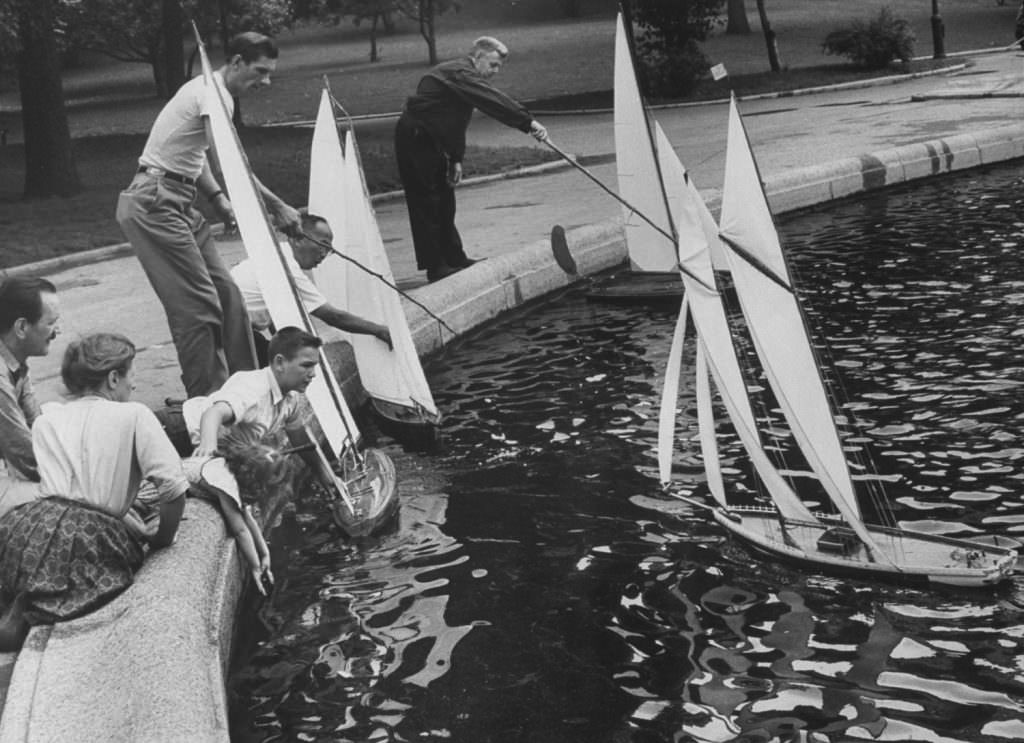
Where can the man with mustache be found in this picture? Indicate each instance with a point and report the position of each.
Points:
(172, 240)
(29, 313)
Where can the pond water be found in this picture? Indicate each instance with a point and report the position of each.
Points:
(540, 587)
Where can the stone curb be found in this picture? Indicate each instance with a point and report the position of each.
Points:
(192, 589)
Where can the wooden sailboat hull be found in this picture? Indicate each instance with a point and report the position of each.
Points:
(416, 429)
(909, 558)
(639, 287)
(373, 489)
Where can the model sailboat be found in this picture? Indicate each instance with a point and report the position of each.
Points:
(394, 380)
(648, 223)
(837, 541)
(363, 482)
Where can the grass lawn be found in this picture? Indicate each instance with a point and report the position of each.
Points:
(34, 230)
(553, 64)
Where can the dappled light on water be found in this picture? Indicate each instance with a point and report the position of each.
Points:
(541, 587)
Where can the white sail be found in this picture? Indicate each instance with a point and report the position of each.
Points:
(776, 323)
(670, 398)
(715, 339)
(636, 163)
(263, 248)
(706, 427)
(337, 192)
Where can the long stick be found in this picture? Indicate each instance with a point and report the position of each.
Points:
(633, 209)
(595, 179)
(326, 245)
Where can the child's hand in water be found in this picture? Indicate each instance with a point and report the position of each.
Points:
(263, 576)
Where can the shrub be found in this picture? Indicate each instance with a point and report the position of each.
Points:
(670, 72)
(667, 43)
(873, 45)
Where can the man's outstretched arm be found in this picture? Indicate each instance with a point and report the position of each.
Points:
(343, 320)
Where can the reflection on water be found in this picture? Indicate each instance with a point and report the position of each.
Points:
(541, 589)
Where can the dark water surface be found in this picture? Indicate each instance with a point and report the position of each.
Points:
(541, 589)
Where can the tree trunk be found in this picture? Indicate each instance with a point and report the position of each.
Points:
(373, 38)
(427, 29)
(171, 23)
(49, 163)
(737, 18)
(769, 39)
(157, 63)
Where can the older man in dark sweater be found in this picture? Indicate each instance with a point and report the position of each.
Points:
(430, 141)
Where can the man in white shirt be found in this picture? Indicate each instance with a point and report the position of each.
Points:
(306, 254)
(172, 240)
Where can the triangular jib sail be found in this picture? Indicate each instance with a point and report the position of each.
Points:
(337, 192)
(637, 166)
(262, 246)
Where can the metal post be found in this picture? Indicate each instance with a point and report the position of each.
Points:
(938, 33)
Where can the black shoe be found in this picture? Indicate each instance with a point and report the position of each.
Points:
(436, 274)
(467, 262)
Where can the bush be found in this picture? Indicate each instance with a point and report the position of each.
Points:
(873, 45)
(667, 43)
(672, 72)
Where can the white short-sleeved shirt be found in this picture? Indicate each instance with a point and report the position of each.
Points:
(244, 275)
(98, 451)
(177, 142)
(254, 397)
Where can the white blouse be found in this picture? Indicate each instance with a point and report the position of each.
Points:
(98, 451)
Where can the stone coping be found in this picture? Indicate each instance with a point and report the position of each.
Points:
(152, 664)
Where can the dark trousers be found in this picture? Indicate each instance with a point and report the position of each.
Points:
(423, 169)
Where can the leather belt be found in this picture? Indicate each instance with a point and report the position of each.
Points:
(161, 173)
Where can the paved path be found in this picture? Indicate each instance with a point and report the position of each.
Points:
(502, 216)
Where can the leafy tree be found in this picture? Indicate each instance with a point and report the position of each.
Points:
(668, 43)
(153, 31)
(49, 162)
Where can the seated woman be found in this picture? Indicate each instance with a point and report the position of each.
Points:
(80, 545)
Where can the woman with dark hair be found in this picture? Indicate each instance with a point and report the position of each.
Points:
(80, 545)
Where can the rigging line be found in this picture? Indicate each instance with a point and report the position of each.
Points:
(837, 391)
(280, 254)
(756, 262)
(632, 208)
(327, 246)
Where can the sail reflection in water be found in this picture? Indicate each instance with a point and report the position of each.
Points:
(379, 611)
(541, 589)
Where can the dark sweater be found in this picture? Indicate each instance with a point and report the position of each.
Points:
(445, 99)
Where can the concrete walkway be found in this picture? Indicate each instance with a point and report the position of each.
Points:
(810, 149)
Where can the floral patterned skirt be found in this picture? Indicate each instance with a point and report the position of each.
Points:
(69, 557)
